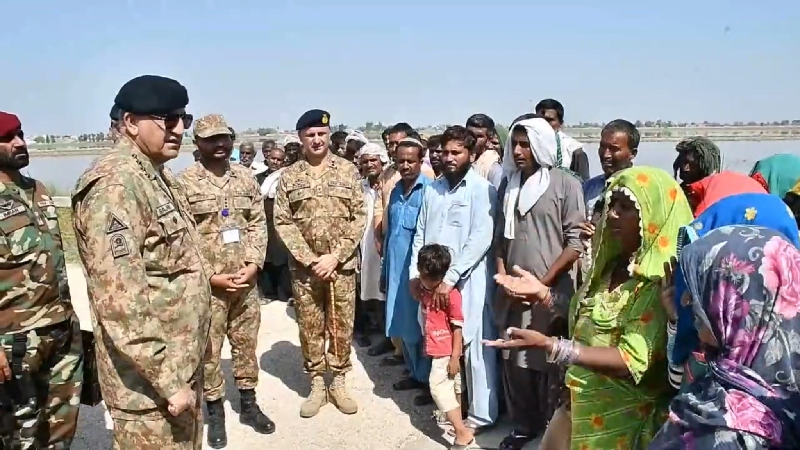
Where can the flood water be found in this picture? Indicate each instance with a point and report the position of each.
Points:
(61, 172)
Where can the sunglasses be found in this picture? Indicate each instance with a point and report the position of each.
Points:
(171, 120)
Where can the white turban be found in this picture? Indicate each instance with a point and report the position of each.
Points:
(290, 138)
(356, 135)
(545, 149)
(374, 150)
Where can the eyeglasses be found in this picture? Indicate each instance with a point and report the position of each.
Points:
(171, 120)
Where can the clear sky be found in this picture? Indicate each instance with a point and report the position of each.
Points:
(263, 63)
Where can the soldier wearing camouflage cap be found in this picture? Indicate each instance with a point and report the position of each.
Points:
(38, 406)
(148, 282)
(229, 211)
(319, 215)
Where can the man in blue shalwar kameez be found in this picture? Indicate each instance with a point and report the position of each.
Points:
(401, 308)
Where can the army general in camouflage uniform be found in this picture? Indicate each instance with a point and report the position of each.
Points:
(319, 214)
(41, 350)
(147, 280)
(228, 208)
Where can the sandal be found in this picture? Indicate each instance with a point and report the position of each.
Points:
(471, 445)
(515, 441)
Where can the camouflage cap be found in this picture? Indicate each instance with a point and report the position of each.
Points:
(211, 125)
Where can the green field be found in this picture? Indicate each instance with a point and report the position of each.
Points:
(68, 235)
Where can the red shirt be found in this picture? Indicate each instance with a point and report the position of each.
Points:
(438, 334)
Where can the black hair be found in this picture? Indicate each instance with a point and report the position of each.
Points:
(481, 121)
(407, 143)
(233, 133)
(268, 142)
(623, 126)
(401, 127)
(550, 103)
(527, 116)
(460, 134)
(385, 134)
(433, 261)
(338, 137)
(435, 141)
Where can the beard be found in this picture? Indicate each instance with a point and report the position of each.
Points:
(16, 160)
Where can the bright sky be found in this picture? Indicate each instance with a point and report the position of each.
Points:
(263, 63)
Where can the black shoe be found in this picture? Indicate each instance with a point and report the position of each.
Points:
(251, 415)
(407, 384)
(392, 361)
(382, 347)
(423, 399)
(363, 340)
(515, 441)
(217, 437)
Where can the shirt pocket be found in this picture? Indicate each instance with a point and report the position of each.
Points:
(458, 214)
(339, 194)
(20, 235)
(203, 204)
(176, 252)
(48, 208)
(298, 194)
(408, 220)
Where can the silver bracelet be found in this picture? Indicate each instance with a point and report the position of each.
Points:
(564, 352)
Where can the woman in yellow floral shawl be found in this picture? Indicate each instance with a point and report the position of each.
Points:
(616, 358)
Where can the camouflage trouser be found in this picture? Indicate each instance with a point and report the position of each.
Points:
(237, 316)
(49, 391)
(318, 317)
(159, 430)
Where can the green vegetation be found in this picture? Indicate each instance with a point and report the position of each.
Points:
(68, 235)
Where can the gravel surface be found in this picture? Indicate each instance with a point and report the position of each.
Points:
(386, 420)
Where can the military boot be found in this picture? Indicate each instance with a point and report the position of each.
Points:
(250, 414)
(341, 397)
(316, 400)
(217, 438)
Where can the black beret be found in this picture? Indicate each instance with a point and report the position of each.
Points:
(152, 94)
(114, 114)
(313, 118)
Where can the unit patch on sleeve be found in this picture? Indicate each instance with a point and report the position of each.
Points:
(119, 246)
(115, 225)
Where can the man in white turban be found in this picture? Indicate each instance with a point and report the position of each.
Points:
(537, 230)
(372, 158)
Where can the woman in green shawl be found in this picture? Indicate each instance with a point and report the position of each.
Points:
(617, 364)
(778, 173)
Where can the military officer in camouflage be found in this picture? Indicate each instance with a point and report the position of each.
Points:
(41, 350)
(319, 214)
(227, 205)
(147, 280)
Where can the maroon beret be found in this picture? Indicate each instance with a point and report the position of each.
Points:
(9, 123)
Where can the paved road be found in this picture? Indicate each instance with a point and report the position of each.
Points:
(386, 420)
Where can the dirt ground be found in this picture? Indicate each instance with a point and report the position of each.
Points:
(386, 420)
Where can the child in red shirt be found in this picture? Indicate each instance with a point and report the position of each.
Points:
(443, 340)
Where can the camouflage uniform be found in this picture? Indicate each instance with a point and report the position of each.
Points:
(149, 292)
(231, 204)
(42, 338)
(318, 214)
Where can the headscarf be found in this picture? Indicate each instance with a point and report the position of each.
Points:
(745, 287)
(792, 200)
(663, 209)
(713, 188)
(778, 173)
(709, 159)
(761, 210)
(544, 147)
(374, 149)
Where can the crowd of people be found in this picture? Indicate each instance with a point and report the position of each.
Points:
(637, 309)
